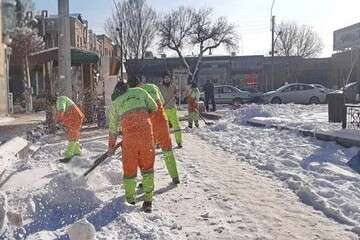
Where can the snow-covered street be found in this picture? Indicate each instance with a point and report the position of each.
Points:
(249, 183)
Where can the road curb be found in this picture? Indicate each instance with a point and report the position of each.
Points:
(323, 136)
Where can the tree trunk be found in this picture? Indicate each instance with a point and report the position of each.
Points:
(28, 89)
(196, 69)
(184, 62)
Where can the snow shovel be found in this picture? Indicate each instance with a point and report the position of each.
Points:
(101, 159)
(202, 118)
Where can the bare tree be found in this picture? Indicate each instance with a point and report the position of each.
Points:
(137, 23)
(175, 31)
(295, 40)
(22, 6)
(25, 41)
(186, 27)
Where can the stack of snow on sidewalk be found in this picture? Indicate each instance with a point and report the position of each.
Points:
(315, 170)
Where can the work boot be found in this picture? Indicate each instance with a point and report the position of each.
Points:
(190, 125)
(175, 180)
(147, 207)
(65, 160)
(197, 124)
(180, 145)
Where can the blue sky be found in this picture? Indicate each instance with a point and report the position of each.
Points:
(252, 17)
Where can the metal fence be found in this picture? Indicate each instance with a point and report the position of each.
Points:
(352, 117)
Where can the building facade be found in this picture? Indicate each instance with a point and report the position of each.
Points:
(3, 83)
(106, 45)
(345, 62)
(244, 71)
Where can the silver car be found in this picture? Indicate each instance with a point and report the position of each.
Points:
(296, 93)
(327, 90)
(226, 94)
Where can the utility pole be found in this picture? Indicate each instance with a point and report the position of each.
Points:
(272, 50)
(120, 30)
(121, 50)
(65, 84)
(272, 45)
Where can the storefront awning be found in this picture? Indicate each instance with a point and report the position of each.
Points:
(78, 56)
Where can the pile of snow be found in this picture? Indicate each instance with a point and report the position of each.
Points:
(3, 210)
(82, 230)
(315, 170)
(307, 117)
(64, 200)
(43, 235)
(247, 112)
(66, 189)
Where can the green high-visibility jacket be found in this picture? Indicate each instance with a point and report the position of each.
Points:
(63, 103)
(154, 92)
(133, 100)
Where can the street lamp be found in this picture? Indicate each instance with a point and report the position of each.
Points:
(8, 25)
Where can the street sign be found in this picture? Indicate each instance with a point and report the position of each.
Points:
(347, 37)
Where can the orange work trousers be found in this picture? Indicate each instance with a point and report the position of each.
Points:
(138, 144)
(192, 104)
(73, 119)
(161, 128)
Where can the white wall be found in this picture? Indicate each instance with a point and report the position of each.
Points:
(107, 82)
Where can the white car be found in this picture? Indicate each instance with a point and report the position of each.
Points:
(226, 94)
(296, 93)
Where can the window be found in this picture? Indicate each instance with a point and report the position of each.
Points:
(307, 87)
(294, 88)
(218, 90)
(228, 90)
(287, 89)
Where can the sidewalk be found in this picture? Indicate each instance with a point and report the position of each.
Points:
(18, 124)
(23, 119)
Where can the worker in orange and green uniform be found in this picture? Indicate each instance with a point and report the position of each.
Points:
(71, 117)
(130, 113)
(168, 91)
(160, 127)
(193, 102)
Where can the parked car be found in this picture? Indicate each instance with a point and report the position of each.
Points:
(226, 94)
(327, 90)
(255, 95)
(296, 93)
(350, 91)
